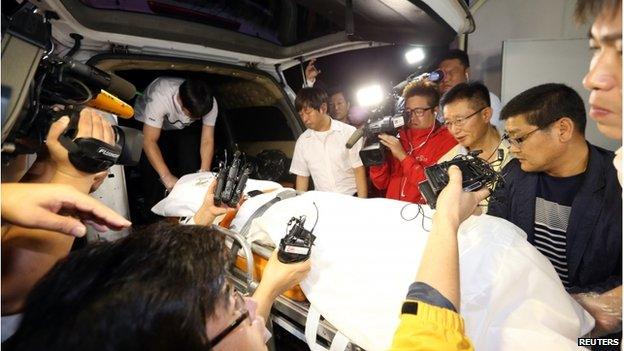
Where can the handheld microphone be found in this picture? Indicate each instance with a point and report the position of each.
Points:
(232, 177)
(220, 183)
(240, 187)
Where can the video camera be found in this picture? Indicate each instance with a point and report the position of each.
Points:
(32, 92)
(392, 119)
(476, 173)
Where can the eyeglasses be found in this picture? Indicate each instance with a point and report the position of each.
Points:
(462, 120)
(239, 306)
(517, 142)
(418, 111)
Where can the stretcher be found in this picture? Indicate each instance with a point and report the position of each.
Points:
(501, 311)
(290, 310)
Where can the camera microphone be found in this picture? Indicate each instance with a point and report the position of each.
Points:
(355, 137)
(99, 79)
(109, 103)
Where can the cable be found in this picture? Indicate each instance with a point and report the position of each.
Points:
(493, 152)
(421, 211)
(317, 216)
(409, 141)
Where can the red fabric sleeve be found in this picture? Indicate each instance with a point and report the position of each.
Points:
(414, 169)
(380, 175)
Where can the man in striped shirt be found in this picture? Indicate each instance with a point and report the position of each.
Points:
(561, 190)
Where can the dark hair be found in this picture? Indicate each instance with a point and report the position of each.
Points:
(196, 96)
(423, 88)
(546, 103)
(152, 290)
(592, 8)
(476, 93)
(454, 54)
(339, 90)
(310, 97)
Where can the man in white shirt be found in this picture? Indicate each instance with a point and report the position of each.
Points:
(320, 151)
(170, 110)
(456, 67)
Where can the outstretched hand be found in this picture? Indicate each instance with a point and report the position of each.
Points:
(311, 72)
(208, 211)
(283, 276)
(46, 206)
(278, 277)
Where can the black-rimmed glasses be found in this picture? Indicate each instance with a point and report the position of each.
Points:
(239, 305)
(518, 141)
(462, 120)
(418, 111)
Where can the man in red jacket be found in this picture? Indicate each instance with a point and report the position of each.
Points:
(420, 145)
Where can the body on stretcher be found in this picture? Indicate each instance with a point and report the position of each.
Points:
(362, 297)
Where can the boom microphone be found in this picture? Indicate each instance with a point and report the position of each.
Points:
(98, 79)
(355, 137)
(110, 103)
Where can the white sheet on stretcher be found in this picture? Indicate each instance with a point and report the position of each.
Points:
(188, 194)
(366, 256)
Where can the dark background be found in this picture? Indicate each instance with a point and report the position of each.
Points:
(354, 69)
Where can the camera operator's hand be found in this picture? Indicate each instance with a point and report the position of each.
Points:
(278, 277)
(38, 206)
(394, 144)
(208, 211)
(311, 72)
(90, 125)
(454, 204)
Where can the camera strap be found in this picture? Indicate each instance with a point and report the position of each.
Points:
(286, 194)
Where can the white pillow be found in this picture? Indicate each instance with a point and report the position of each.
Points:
(188, 194)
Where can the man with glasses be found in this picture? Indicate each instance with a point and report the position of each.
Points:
(171, 110)
(162, 288)
(456, 67)
(561, 190)
(467, 115)
(420, 144)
